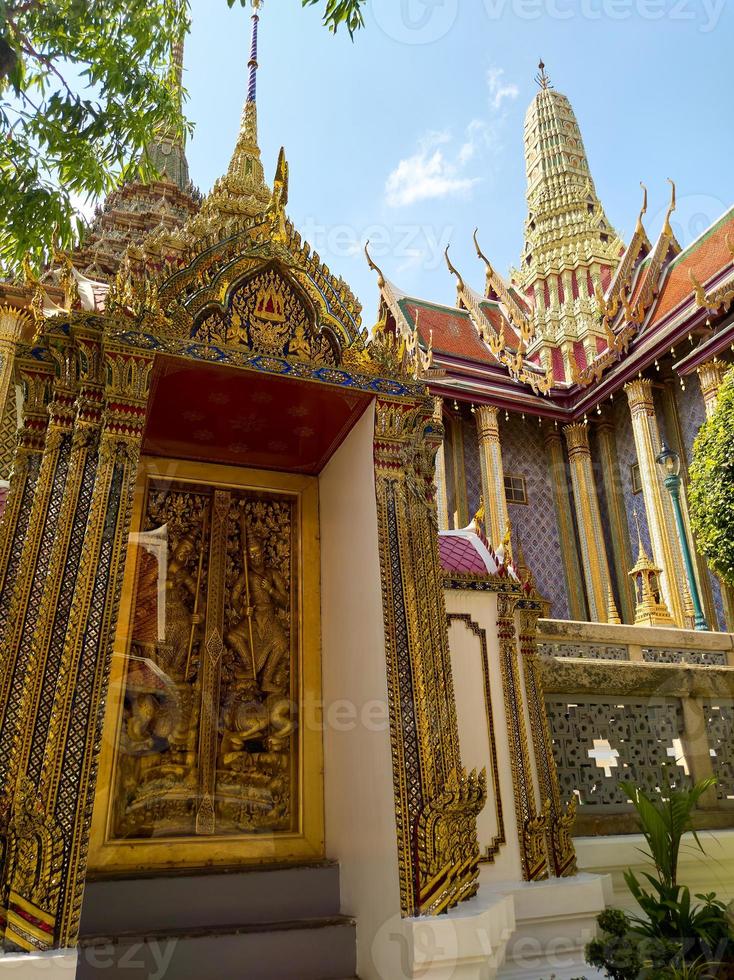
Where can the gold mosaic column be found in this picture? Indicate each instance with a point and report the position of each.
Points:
(436, 800)
(35, 376)
(442, 502)
(33, 568)
(621, 550)
(564, 517)
(43, 899)
(13, 323)
(658, 506)
(711, 374)
(54, 607)
(493, 474)
(588, 518)
(461, 503)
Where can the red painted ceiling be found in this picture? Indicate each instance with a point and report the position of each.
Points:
(221, 414)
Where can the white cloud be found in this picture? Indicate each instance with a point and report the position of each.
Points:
(439, 167)
(499, 89)
(427, 174)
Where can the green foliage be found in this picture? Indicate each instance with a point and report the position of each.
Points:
(84, 86)
(711, 493)
(336, 12)
(664, 822)
(673, 939)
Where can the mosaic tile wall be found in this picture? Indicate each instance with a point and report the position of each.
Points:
(604, 511)
(524, 454)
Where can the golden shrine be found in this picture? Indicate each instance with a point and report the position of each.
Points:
(268, 695)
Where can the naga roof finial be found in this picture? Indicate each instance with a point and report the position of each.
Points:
(542, 78)
(481, 255)
(667, 228)
(452, 269)
(373, 265)
(643, 211)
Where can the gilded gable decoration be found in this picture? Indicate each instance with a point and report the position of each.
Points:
(271, 314)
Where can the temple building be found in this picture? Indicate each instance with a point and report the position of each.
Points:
(559, 384)
(326, 652)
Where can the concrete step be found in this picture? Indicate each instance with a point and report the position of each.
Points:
(321, 948)
(210, 900)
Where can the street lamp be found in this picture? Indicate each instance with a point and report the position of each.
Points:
(669, 460)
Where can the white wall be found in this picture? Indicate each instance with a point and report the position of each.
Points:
(360, 809)
(471, 714)
(712, 871)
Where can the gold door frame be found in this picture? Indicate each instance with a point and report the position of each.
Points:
(108, 855)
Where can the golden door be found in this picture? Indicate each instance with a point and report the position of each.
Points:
(212, 750)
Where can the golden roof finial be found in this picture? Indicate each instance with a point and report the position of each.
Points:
(542, 78)
(482, 256)
(667, 228)
(643, 211)
(373, 265)
(453, 270)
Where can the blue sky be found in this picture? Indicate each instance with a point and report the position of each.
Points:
(412, 135)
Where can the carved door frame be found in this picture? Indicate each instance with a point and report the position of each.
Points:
(110, 856)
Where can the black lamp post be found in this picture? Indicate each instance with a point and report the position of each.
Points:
(670, 463)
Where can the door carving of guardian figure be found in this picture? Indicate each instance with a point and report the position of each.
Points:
(212, 748)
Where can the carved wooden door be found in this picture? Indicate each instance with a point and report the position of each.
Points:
(217, 666)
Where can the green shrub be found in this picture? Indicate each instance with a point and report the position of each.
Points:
(711, 492)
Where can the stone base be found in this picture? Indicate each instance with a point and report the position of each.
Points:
(468, 943)
(60, 964)
(554, 921)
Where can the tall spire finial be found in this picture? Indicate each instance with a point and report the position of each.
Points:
(243, 189)
(252, 63)
(542, 78)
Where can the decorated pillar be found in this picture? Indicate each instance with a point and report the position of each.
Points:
(621, 551)
(564, 517)
(561, 816)
(436, 800)
(48, 827)
(532, 820)
(34, 566)
(13, 324)
(34, 374)
(442, 500)
(588, 517)
(493, 474)
(663, 535)
(57, 585)
(711, 374)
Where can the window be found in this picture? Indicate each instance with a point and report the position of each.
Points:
(515, 490)
(636, 478)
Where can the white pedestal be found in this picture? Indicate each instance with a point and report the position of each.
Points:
(555, 919)
(468, 943)
(60, 964)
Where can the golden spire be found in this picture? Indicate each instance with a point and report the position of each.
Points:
(242, 190)
(612, 614)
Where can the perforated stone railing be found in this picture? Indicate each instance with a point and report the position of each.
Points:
(651, 706)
